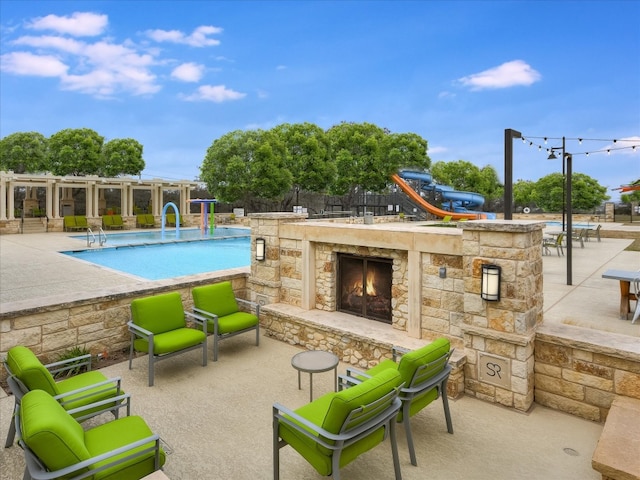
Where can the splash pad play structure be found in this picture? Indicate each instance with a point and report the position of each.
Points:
(207, 218)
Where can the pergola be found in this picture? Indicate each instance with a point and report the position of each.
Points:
(59, 200)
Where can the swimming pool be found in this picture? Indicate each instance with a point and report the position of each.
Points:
(168, 260)
(156, 236)
(574, 225)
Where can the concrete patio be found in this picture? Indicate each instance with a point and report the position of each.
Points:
(216, 421)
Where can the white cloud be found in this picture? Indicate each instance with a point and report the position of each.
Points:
(79, 24)
(509, 74)
(281, 67)
(188, 72)
(54, 42)
(436, 150)
(26, 63)
(214, 93)
(198, 38)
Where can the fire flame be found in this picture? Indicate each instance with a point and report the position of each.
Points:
(356, 289)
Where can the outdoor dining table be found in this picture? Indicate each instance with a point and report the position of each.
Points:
(625, 277)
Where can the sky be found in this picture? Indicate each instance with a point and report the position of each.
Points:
(177, 75)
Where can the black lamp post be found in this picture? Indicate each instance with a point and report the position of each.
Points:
(509, 135)
(566, 201)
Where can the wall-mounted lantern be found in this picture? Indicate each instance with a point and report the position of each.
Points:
(490, 289)
(260, 249)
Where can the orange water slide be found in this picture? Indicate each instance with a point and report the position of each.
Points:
(416, 198)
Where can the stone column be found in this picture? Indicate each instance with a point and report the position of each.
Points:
(264, 283)
(499, 335)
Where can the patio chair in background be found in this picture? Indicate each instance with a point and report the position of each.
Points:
(424, 373)
(70, 224)
(447, 218)
(579, 236)
(84, 395)
(171, 220)
(219, 305)
(549, 243)
(158, 327)
(336, 428)
(112, 222)
(145, 220)
(81, 222)
(56, 446)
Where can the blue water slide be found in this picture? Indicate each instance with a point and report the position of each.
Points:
(460, 202)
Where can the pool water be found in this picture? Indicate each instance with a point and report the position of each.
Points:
(170, 235)
(168, 260)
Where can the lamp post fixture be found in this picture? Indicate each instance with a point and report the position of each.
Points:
(566, 157)
(509, 135)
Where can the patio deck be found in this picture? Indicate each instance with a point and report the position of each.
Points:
(216, 423)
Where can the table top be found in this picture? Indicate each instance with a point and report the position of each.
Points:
(624, 275)
(314, 361)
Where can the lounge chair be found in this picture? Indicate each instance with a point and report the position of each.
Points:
(145, 220)
(549, 243)
(81, 222)
(579, 236)
(78, 394)
(70, 224)
(158, 327)
(56, 446)
(219, 305)
(118, 223)
(335, 429)
(425, 373)
(170, 220)
(112, 222)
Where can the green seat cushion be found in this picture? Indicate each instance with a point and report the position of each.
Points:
(115, 434)
(29, 370)
(330, 412)
(234, 322)
(172, 341)
(160, 313)
(218, 299)
(86, 397)
(81, 221)
(50, 432)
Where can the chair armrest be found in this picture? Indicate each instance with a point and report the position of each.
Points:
(69, 364)
(139, 331)
(199, 319)
(282, 413)
(345, 381)
(115, 380)
(254, 305)
(398, 352)
(119, 401)
(353, 372)
(432, 382)
(40, 474)
(205, 314)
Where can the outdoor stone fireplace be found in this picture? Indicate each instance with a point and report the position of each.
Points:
(364, 286)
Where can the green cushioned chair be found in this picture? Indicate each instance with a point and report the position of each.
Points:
(158, 327)
(335, 429)
(118, 223)
(70, 224)
(425, 373)
(219, 305)
(56, 446)
(145, 220)
(107, 222)
(84, 395)
(81, 222)
(171, 219)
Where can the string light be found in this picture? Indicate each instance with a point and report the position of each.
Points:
(615, 141)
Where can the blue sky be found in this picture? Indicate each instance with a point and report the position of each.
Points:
(176, 75)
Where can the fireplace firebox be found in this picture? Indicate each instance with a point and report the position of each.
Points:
(364, 286)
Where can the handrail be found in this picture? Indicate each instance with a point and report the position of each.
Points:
(102, 237)
(93, 237)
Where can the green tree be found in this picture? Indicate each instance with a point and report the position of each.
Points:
(466, 177)
(586, 192)
(122, 156)
(246, 165)
(523, 193)
(406, 150)
(24, 152)
(308, 156)
(76, 152)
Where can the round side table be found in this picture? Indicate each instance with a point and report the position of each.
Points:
(315, 361)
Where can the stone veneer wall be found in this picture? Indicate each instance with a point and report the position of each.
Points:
(580, 371)
(98, 324)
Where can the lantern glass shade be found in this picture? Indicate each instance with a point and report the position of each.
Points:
(260, 249)
(490, 288)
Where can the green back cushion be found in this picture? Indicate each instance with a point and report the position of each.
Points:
(218, 299)
(414, 359)
(50, 432)
(30, 371)
(160, 313)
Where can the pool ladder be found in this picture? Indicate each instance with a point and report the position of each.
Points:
(91, 238)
